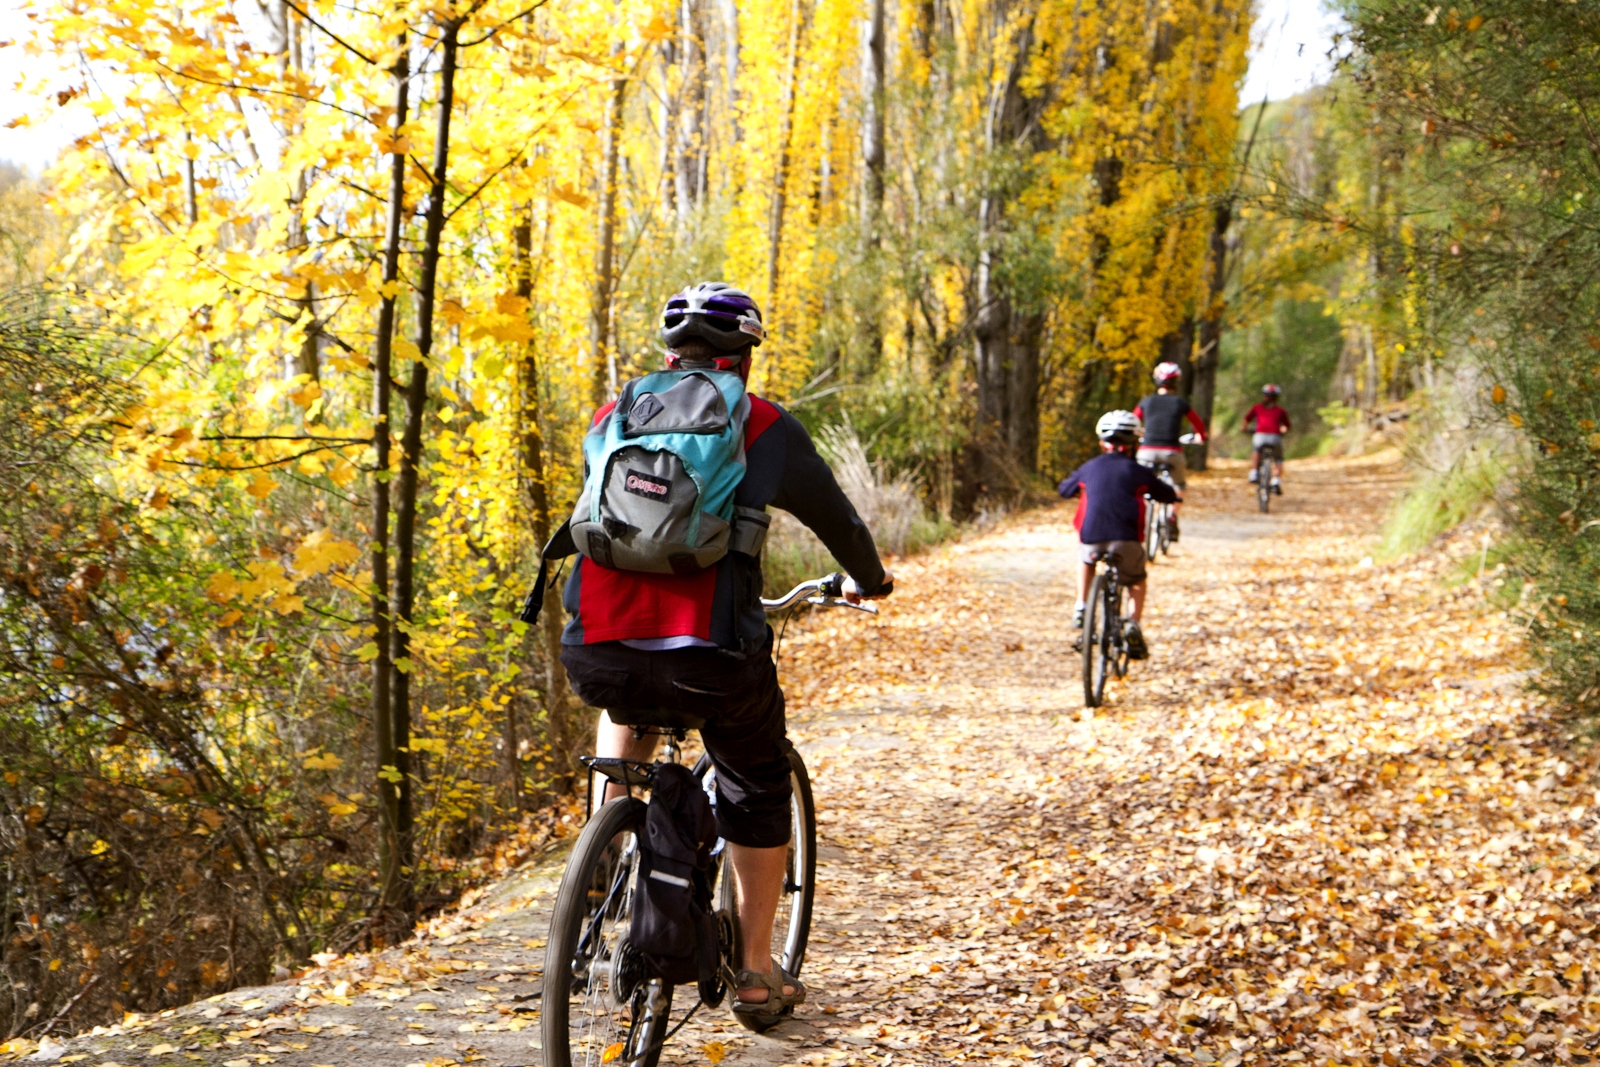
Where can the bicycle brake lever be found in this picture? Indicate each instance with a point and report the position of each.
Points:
(835, 602)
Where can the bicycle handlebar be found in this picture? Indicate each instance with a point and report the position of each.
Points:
(824, 592)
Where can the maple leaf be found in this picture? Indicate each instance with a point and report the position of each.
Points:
(321, 551)
(261, 486)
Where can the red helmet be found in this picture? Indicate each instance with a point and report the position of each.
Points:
(1166, 372)
(1271, 390)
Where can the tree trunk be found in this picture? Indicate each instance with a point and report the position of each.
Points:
(410, 460)
(603, 365)
(1210, 355)
(390, 853)
(873, 136)
(561, 727)
(780, 180)
(691, 103)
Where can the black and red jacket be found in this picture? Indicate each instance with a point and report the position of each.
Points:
(722, 603)
(1111, 490)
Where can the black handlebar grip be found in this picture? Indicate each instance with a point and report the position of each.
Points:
(833, 585)
(886, 588)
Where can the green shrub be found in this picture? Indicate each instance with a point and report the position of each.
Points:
(1440, 501)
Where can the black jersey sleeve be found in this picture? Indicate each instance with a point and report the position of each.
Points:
(808, 490)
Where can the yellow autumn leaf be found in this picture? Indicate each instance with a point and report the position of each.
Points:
(715, 1051)
(325, 762)
(405, 349)
(222, 587)
(230, 617)
(321, 551)
(99, 848)
(611, 1052)
(267, 579)
(1498, 394)
(261, 486)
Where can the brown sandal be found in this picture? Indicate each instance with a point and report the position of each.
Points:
(778, 1005)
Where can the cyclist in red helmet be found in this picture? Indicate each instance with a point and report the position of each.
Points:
(1164, 413)
(1268, 422)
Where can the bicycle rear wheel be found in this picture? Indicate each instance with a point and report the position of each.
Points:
(1154, 515)
(1264, 479)
(1098, 625)
(791, 932)
(1166, 529)
(582, 1022)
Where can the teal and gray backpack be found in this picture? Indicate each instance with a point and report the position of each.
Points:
(660, 474)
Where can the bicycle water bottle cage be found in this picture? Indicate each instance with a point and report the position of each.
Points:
(622, 771)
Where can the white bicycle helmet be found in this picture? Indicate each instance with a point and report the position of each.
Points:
(1165, 372)
(1119, 427)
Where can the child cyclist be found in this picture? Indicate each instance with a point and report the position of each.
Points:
(1269, 423)
(1163, 414)
(1111, 489)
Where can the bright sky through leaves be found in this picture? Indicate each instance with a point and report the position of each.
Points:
(1290, 49)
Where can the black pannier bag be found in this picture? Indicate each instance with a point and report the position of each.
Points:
(672, 927)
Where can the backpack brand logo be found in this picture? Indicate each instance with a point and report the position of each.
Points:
(647, 485)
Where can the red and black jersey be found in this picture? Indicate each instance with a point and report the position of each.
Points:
(1267, 418)
(722, 604)
(1163, 415)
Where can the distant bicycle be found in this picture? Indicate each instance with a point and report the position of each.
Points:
(1104, 646)
(1267, 456)
(1158, 517)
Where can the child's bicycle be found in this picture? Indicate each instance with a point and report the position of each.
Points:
(599, 1004)
(1105, 648)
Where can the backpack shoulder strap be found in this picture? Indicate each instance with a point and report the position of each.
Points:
(560, 546)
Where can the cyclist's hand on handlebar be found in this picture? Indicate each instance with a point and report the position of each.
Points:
(852, 592)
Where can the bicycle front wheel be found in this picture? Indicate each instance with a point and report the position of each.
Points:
(598, 1006)
(1154, 516)
(1264, 480)
(1097, 629)
(791, 931)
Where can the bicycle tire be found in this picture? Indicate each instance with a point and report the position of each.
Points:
(1264, 480)
(1096, 634)
(1117, 647)
(1152, 527)
(580, 1023)
(791, 931)
(1165, 533)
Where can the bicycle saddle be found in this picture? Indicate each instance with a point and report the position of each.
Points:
(662, 718)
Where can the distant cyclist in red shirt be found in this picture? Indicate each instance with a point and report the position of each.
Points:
(1269, 423)
(1163, 414)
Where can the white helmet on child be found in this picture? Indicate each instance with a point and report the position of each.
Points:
(1119, 428)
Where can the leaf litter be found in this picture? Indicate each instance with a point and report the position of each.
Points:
(1324, 824)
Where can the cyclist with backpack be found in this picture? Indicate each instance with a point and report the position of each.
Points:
(1163, 414)
(1269, 422)
(665, 603)
(1111, 490)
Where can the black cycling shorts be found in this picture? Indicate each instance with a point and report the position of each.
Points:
(744, 732)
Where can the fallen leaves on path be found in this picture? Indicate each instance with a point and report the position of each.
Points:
(1323, 824)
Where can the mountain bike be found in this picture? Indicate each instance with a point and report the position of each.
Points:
(600, 1006)
(1105, 649)
(1158, 516)
(1267, 456)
